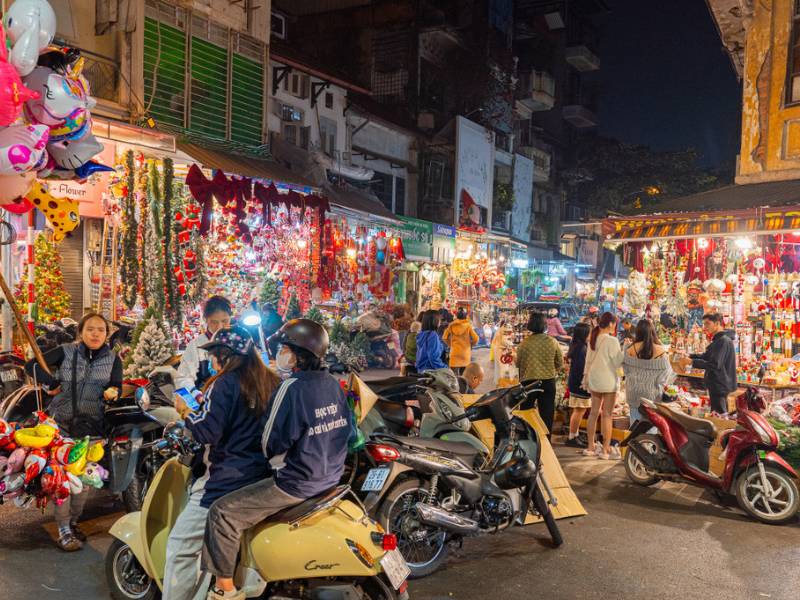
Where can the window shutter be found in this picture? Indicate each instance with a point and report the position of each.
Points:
(209, 85)
(247, 101)
(164, 86)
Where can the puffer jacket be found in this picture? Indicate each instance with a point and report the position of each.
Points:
(460, 336)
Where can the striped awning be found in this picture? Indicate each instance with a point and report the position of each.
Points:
(754, 221)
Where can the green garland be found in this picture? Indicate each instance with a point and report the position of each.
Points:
(130, 264)
(153, 250)
(174, 307)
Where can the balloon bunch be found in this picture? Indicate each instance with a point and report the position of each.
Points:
(37, 464)
(44, 106)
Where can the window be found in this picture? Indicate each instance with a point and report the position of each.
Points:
(327, 136)
(793, 63)
(382, 187)
(297, 84)
(295, 134)
(328, 100)
(399, 196)
(433, 179)
(290, 113)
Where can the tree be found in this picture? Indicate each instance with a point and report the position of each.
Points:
(52, 301)
(151, 346)
(613, 175)
(293, 309)
(316, 315)
(270, 291)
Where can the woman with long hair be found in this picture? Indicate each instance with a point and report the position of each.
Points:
(601, 378)
(647, 368)
(429, 345)
(229, 423)
(579, 399)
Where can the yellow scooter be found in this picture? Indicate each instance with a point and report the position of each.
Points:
(326, 548)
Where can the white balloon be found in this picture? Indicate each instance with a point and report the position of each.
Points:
(72, 154)
(22, 147)
(59, 97)
(31, 26)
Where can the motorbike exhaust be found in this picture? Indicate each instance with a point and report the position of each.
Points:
(439, 517)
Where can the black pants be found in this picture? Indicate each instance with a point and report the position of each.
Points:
(545, 401)
(719, 403)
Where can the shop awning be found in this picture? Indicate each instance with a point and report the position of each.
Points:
(350, 198)
(751, 221)
(245, 166)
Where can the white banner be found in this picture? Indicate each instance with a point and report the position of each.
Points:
(474, 165)
(523, 196)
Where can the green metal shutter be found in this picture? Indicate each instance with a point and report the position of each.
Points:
(247, 101)
(165, 47)
(207, 114)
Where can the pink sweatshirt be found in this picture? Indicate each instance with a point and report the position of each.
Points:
(554, 327)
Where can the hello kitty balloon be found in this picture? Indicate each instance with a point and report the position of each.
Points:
(71, 154)
(22, 148)
(31, 26)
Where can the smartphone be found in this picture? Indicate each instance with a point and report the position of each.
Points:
(190, 397)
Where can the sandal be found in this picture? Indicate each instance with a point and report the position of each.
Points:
(78, 532)
(69, 543)
(588, 452)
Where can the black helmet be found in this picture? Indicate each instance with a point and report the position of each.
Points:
(306, 334)
(515, 473)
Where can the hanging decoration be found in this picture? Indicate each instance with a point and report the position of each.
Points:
(52, 301)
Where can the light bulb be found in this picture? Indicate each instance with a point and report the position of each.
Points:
(351, 253)
(302, 244)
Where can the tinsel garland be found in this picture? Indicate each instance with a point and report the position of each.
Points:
(153, 267)
(173, 301)
(130, 263)
(141, 201)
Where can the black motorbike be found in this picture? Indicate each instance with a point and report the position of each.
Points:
(439, 492)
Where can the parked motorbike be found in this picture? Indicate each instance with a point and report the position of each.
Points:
(670, 445)
(324, 548)
(431, 494)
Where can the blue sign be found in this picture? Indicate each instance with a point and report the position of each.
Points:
(444, 230)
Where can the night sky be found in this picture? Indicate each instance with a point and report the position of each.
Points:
(666, 81)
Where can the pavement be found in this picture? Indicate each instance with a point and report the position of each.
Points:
(670, 541)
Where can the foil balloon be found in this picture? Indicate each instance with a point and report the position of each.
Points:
(13, 188)
(12, 483)
(95, 453)
(16, 460)
(94, 475)
(72, 154)
(31, 26)
(63, 102)
(6, 433)
(77, 467)
(79, 450)
(61, 213)
(22, 148)
(52, 479)
(24, 501)
(35, 464)
(75, 483)
(13, 94)
(90, 168)
(60, 454)
(3, 466)
(39, 436)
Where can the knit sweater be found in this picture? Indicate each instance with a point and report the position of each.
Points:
(646, 378)
(602, 365)
(539, 357)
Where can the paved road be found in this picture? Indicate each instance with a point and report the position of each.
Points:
(666, 542)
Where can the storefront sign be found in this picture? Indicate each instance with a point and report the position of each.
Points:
(417, 236)
(588, 252)
(444, 230)
(474, 174)
(89, 195)
(523, 196)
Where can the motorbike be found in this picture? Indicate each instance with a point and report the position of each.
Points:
(324, 548)
(672, 446)
(432, 492)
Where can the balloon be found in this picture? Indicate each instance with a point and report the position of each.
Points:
(13, 187)
(13, 94)
(380, 256)
(23, 501)
(35, 437)
(90, 168)
(63, 104)
(61, 213)
(73, 154)
(22, 147)
(94, 475)
(380, 242)
(31, 26)
(35, 464)
(11, 483)
(77, 467)
(75, 483)
(17, 460)
(3, 465)
(95, 453)
(6, 432)
(60, 454)
(79, 450)
(52, 479)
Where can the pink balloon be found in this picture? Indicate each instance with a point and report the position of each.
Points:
(13, 93)
(22, 148)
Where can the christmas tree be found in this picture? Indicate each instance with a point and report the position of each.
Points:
(151, 346)
(316, 315)
(293, 309)
(51, 297)
(270, 291)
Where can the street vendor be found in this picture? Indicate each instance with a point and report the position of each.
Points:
(718, 362)
(85, 375)
(195, 369)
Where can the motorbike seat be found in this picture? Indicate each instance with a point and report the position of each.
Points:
(381, 386)
(691, 424)
(460, 449)
(308, 506)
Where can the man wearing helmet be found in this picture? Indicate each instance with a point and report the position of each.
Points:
(308, 429)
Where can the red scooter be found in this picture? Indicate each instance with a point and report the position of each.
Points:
(674, 446)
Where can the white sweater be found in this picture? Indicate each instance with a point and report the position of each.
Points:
(602, 365)
(190, 362)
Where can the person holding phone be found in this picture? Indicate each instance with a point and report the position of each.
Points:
(194, 369)
(83, 376)
(229, 423)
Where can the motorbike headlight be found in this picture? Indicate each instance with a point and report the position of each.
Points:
(766, 437)
(143, 398)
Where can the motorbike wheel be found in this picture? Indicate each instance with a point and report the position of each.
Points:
(133, 495)
(784, 499)
(637, 471)
(126, 578)
(424, 548)
(543, 508)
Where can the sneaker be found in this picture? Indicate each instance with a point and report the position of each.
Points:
(615, 453)
(69, 543)
(598, 448)
(574, 443)
(78, 532)
(588, 452)
(217, 594)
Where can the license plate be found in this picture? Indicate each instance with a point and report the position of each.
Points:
(8, 375)
(375, 480)
(395, 568)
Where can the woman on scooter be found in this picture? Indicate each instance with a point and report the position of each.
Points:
(85, 375)
(601, 378)
(229, 424)
(309, 425)
(194, 369)
(647, 368)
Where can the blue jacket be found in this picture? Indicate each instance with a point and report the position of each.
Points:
(231, 435)
(429, 351)
(309, 423)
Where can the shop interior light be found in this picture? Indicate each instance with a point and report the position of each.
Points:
(702, 243)
(502, 259)
(301, 243)
(351, 253)
(744, 243)
(519, 263)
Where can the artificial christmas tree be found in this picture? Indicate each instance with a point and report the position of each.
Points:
(293, 309)
(52, 301)
(270, 291)
(151, 346)
(316, 315)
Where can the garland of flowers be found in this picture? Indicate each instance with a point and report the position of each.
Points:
(130, 264)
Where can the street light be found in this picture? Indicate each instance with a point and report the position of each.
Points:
(649, 190)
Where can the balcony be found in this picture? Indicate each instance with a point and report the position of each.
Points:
(541, 162)
(538, 91)
(579, 116)
(582, 59)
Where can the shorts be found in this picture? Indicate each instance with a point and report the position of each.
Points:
(579, 401)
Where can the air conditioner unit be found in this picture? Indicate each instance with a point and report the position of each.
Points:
(289, 114)
(278, 25)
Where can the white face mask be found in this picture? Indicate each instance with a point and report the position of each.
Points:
(286, 360)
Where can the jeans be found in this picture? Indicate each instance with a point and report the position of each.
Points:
(183, 579)
(545, 401)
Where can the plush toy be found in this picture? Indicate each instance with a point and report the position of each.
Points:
(61, 213)
(31, 26)
(22, 148)
(94, 475)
